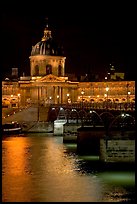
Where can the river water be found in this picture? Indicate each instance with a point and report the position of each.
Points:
(41, 168)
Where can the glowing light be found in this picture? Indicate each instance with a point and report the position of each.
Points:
(82, 92)
(123, 115)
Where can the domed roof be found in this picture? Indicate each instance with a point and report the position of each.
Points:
(47, 46)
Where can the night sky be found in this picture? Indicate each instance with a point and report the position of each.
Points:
(93, 35)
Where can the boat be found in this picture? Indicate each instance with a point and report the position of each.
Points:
(11, 128)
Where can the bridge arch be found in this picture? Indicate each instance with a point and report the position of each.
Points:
(121, 124)
(82, 115)
(53, 114)
(107, 118)
(93, 118)
(73, 116)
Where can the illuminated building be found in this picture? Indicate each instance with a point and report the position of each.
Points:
(49, 83)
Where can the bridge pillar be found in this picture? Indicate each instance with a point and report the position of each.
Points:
(88, 140)
(58, 127)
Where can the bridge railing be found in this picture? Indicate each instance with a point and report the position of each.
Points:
(104, 106)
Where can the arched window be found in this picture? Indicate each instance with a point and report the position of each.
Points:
(59, 70)
(36, 70)
(48, 69)
(116, 100)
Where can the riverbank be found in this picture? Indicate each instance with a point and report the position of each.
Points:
(30, 118)
(25, 114)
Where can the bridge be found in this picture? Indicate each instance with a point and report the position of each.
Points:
(88, 113)
(68, 118)
(77, 114)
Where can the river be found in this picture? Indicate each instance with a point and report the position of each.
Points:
(39, 167)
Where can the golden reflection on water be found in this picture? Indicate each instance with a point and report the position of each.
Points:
(38, 169)
(15, 156)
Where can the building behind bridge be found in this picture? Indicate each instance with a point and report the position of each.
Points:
(49, 84)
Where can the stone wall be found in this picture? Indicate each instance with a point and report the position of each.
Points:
(41, 127)
(58, 127)
(117, 150)
(71, 128)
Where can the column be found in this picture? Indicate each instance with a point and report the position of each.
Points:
(54, 95)
(59, 93)
(61, 89)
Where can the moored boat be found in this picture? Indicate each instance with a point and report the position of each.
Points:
(11, 128)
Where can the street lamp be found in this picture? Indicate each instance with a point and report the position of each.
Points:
(127, 91)
(82, 93)
(97, 103)
(18, 100)
(11, 100)
(58, 98)
(105, 95)
(128, 94)
(107, 89)
(67, 97)
(128, 98)
(50, 99)
(38, 114)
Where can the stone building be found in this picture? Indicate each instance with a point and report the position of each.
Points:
(49, 84)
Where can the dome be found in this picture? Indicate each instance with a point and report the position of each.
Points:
(47, 46)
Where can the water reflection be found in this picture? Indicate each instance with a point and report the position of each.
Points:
(40, 168)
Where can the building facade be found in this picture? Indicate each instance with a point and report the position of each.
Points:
(49, 84)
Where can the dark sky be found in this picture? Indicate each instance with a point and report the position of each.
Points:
(93, 35)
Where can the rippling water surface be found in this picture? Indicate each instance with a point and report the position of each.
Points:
(40, 168)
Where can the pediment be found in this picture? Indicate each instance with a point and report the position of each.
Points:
(51, 78)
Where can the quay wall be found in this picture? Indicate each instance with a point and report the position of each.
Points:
(71, 127)
(36, 126)
(117, 150)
